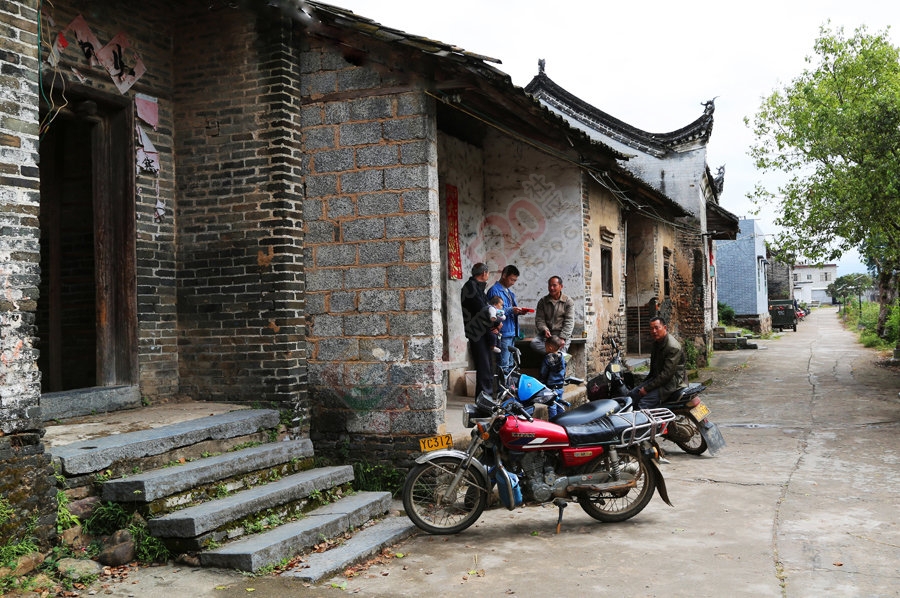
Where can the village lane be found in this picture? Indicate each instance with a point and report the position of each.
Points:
(802, 502)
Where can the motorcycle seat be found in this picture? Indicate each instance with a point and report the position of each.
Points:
(584, 414)
(684, 394)
(609, 429)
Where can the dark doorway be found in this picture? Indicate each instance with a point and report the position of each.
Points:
(86, 313)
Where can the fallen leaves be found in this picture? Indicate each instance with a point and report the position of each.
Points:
(385, 557)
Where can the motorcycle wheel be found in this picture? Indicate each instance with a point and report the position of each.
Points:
(423, 494)
(611, 507)
(695, 444)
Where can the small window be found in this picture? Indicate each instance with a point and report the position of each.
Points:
(667, 284)
(606, 275)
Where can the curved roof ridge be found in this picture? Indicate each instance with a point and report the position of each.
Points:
(545, 89)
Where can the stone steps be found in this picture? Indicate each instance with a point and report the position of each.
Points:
(196, 524)
(160, 483)
(257, 550)
(230, 495)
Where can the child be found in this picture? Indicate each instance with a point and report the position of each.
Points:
(497, 315)
(553, 373)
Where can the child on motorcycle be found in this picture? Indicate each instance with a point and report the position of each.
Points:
(553, 372)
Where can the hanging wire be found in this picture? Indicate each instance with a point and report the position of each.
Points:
(53, 110)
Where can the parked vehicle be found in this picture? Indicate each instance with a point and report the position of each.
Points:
(783, 313)
(609, 465)
(692, 430)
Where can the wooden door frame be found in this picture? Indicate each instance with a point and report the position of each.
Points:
(115, 272)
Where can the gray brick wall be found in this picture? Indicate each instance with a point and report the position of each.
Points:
(375, 344)
(240, 228)
(27, 480)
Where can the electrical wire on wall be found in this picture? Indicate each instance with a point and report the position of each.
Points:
(53, 110)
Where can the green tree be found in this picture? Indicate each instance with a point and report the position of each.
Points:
(850, 285)
(834, 133)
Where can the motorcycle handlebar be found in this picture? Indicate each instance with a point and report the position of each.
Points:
(517, 406)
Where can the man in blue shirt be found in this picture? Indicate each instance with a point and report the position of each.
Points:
(510, 330)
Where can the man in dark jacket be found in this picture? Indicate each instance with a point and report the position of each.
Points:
(478, 326)
(667, 368)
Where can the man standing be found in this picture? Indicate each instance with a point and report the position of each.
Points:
(478, 327)
(554, 315)
(509, 332)
(667, 368)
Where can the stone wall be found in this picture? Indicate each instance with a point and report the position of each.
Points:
(373, 288)
(26, 484)
(691, 293)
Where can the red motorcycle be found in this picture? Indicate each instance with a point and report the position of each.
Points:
(609, 464)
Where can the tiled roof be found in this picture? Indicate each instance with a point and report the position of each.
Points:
(544, 89)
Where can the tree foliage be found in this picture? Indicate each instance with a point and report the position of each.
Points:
(834, 131)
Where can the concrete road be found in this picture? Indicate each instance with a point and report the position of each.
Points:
(802, 502)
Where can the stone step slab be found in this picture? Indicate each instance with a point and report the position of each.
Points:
(209, 516)
(258, 550)
(160, 483)
(97, 454)
(364, 544)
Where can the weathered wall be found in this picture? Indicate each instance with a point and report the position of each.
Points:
(240, 233)
(691, 293)
(781, 279)
(461, 165)
(373, 302)
(532, 220)
(26, 484)
(604, 312)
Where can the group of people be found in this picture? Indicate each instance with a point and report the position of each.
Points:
(490, 316)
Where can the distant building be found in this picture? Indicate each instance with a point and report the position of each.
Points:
(741, 277)
(781, 277)
(811, 282)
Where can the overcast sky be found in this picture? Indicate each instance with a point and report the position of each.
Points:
(651, 63)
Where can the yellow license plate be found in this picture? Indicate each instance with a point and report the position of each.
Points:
(436, 443)
(700, 412)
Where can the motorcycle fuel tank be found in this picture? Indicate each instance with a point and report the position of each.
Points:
(523, 435)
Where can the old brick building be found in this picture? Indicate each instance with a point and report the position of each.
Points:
(670, 260)
(272, 204)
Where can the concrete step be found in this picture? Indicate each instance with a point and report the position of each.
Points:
(95, 455)
(160, 483)
(198, 521)
(362, 545)
(258, 550)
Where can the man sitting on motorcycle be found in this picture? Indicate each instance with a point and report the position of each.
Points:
(667, 368)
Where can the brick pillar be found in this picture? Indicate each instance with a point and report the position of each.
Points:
(373, 292)
(240, 232)
(27, 492)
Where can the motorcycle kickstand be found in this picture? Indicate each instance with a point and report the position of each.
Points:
(562, 504)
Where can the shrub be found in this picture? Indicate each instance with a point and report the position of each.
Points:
(726, 314)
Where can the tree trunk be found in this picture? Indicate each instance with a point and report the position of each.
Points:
(887, 293)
